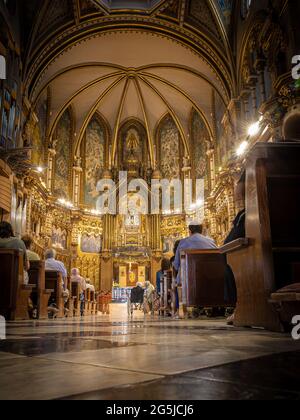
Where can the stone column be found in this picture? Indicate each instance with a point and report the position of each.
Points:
(106, 269)
(156, 246)
(212, 168)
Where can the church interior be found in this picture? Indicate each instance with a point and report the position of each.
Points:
(203, 92)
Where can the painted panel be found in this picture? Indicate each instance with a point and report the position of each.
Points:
(169, 140)
(94, 160)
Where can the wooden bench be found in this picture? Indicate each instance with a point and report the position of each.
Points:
(203, 278)
(270, 259)
(94, 305)
(70, 304)
(54, 282)
(75, 293)
(87, 310)
(287, 303)
(14, 295)
(36, 275)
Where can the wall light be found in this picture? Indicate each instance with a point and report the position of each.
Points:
(253, 129)
(242, 148)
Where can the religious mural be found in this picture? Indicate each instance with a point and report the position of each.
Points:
(200, 139)
(169, 144)
(91, 244)
(132, 148)
(59, 238)
(94, 159)
(63, 156)
(39, 134)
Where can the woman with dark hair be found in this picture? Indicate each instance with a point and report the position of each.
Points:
(9, 241)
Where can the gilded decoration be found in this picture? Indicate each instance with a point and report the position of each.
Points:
(172, 229)
(92, 243)
(200, 142)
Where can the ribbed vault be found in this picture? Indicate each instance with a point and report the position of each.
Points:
(130, 75)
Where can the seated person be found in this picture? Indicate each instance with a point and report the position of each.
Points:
(195, 241)
(238, 231)
(9, 241)
(51, 264)
(137, 294)
(149, 294)
(239, 224)
(90, 286)
(76, 278)
(32, 256)
(165, 266)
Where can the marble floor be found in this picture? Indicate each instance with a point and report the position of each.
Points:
(113, 358)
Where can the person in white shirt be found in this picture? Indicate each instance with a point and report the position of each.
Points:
(51, 264)
(196, 240)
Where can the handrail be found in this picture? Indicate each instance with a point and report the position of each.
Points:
(235, 245)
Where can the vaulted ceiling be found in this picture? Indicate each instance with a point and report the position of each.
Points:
(162, 57)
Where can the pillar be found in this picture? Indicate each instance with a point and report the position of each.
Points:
(51, 156)
(106, 268)
(77, 173)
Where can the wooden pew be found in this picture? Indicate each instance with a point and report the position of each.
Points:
(94, 305)
(14, 295)
(36, 275)
(75, 293)
(70, 304)
(203, 278)
(166, 293)
(88, 306)
(270, 260)
(54, 283)
(287, 303)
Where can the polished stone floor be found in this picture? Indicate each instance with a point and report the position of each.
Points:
(111, 358)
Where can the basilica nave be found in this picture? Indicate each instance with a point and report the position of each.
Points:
(101, 102)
